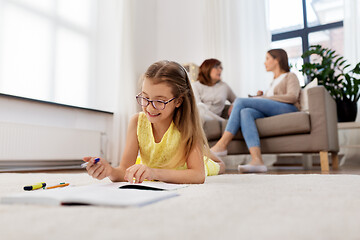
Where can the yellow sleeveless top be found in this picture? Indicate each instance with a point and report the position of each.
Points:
(154, 154)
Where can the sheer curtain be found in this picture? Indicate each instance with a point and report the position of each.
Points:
(127, 84)
(116, 48)
(352, 35)
(236, 33)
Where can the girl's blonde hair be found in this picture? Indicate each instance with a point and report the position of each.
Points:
(186, 117)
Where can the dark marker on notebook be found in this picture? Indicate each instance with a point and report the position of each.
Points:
(140, 187)
(85, 164)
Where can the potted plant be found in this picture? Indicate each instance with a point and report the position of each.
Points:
(329, 69)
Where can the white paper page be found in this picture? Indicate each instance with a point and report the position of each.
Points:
(100, 194)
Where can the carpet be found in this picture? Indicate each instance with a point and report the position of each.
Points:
(225, 207)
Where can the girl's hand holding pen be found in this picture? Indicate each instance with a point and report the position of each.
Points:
(98, 169)
(84, 165)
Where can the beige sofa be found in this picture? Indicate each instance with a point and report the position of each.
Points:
(313, 130)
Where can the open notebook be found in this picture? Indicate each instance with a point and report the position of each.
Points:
(110, 194)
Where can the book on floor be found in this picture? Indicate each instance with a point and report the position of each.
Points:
(110, 194)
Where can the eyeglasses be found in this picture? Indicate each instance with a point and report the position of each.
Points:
(218, 67)
(157, 104)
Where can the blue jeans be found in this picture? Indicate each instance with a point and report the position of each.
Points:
(246, 110)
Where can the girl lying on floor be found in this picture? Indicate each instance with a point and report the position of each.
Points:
(168, 134)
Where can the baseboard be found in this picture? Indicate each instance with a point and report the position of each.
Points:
(36, 165)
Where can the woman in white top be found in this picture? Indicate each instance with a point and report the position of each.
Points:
(210, 92)
(282, 97)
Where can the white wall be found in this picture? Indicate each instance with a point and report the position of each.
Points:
(181, 30)
(144, 35)
(138, 48)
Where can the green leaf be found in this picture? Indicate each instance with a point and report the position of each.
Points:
(346, 66)
(331, 73)
(342, 62)
(337, 60)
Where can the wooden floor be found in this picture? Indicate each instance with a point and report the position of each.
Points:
(354, 170)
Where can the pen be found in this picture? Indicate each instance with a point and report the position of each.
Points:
(85, 164)
(35, 186)
(59, 185)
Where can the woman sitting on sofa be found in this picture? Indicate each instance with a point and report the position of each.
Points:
(210, 92)
(281, 97)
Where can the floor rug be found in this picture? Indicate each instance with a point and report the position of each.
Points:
(248, 206)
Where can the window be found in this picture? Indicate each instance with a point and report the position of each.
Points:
(47, 49)
(297, 24)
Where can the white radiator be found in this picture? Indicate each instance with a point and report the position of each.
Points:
(27, 146)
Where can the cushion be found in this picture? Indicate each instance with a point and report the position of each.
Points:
(212, 129)
(193, 71)
(304, 103)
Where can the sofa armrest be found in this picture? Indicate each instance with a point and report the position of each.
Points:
(323, 119)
